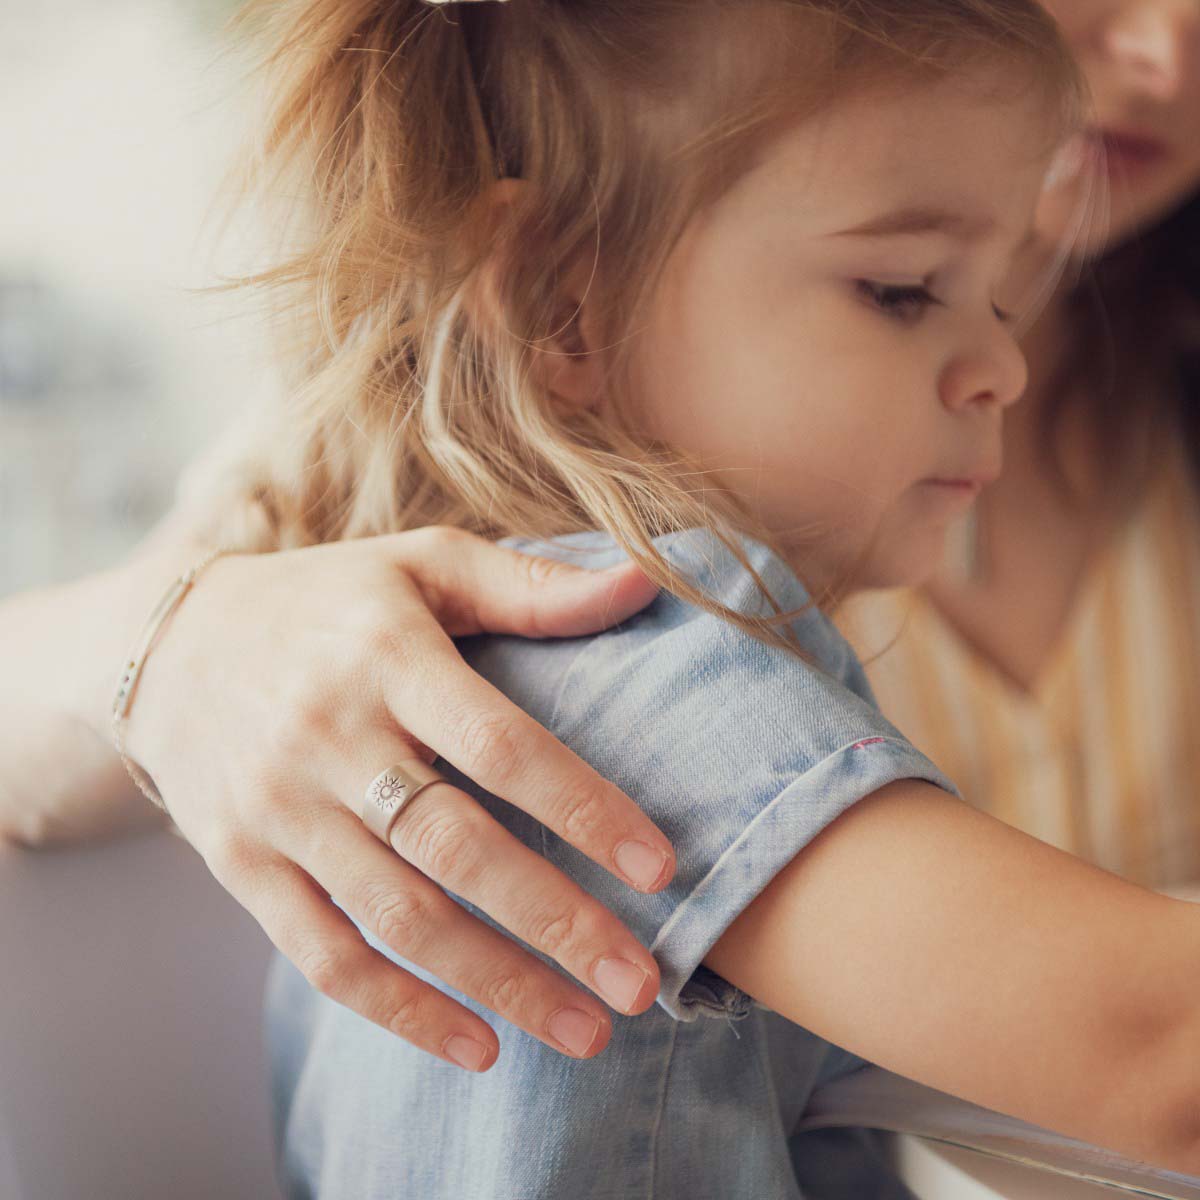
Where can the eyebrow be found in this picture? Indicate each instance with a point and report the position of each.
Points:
(921, 220)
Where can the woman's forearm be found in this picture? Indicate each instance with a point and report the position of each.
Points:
(62, 646)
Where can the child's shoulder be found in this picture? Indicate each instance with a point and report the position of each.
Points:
(671, 631)
(739, 751)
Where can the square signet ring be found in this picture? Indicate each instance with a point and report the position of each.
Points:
(390, 791)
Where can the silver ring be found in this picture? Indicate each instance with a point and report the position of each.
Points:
(390, 791)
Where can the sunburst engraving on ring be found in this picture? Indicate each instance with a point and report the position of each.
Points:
(387, 792)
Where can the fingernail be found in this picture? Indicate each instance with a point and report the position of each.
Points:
(574, 1029)
(465, 1051)
(641, 863)
(619, 981)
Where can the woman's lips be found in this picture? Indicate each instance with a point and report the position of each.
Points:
(1125, 152)
(1122, 153)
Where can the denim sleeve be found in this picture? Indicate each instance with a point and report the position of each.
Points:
(738, 750)
(740, 753)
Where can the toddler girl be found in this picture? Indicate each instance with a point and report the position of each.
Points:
(722, 287)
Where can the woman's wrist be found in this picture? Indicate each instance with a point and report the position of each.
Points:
(64, 646)
(70, 640)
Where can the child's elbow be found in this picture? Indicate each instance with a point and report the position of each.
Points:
(1172, 1077)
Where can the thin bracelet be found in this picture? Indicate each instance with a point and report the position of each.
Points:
(136, 660)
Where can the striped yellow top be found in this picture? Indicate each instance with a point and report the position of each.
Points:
(1102, 758)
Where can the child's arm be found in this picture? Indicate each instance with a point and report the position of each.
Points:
(947, 946)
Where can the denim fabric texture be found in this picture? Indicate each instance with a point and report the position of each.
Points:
(742, 754)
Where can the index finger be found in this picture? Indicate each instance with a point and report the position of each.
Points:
(493, 741)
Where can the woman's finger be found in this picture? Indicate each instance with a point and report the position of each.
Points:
(498, 745)
(411, 915)
(474, 586)
(323, 943)
(455, 841)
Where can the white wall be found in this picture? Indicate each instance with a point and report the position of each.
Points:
(117, 120)
(130, 1046)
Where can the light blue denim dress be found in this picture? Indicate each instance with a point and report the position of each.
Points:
(741, 754)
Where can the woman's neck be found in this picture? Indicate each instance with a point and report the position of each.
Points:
(1031, 464)
(1045, 347)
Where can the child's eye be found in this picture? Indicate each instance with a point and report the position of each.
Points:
(908, 301)
(902, 302)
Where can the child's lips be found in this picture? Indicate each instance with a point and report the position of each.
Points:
(963, 487)
(971, 480)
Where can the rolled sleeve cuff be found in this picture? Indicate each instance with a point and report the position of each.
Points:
(776, 835)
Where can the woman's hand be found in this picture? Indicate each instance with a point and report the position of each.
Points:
(285, 682)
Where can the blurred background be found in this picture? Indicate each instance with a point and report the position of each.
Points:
(131, 1060)
(132, 1063)
(117, 121)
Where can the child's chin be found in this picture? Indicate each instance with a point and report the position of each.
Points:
(892, 570)
(907, 560)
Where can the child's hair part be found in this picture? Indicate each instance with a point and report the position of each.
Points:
(389, 120)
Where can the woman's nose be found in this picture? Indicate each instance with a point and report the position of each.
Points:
(1155, 43)
(993, 373)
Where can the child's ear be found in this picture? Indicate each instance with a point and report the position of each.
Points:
(566, 363)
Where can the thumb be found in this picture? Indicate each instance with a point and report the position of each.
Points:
(569, 601)
(543, 597)
(485, 588)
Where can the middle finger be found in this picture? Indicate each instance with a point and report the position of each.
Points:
(448, 942)
(450, 838)
(454, 840)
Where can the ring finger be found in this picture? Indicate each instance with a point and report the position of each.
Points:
(452, 840)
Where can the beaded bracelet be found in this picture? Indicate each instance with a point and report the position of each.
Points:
(137, 659)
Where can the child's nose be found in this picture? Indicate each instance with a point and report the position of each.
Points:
(992, 372)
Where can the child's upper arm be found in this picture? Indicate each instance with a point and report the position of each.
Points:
(947, 946)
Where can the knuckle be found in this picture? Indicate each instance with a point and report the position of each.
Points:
(407, 1017)
(395, 914)
(504, 991)
(370, 599)
(540, 571)
(442, 847)
(311, 720)
(584, 816)
(322, 839)
(437, 541)
(300, 720)
(230, 856)
(365, 613)
(322, 966)
(553, 932)
(449, 537)
(401, 647)
(387, 643)
(492, 742)
(267, 801)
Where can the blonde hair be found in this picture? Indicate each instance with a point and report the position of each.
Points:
(390, 119)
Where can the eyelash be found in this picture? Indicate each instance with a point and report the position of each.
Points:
(890, 299)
